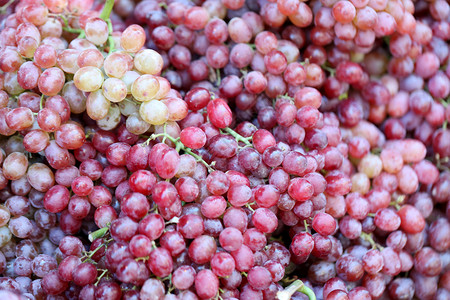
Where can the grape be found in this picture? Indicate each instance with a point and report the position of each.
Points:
(117, 64)
(66, 60)
(343, 11)
(148, 62)
(70, 136)
(96, 31)
(411, 219)
(53, 284)
(302, 17)
(88, 79)
(133, 38)
(84, 274)
(125, 157)
(51, 81)
(206, 284)
(90, 57)
(324, 224)
(115, 90)
(213, 206)
(219, 113)
(28, 74)
(145, 88)
(97, 105)
(14, 166)
(401, 287)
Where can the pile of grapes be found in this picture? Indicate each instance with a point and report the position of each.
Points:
(224, 149)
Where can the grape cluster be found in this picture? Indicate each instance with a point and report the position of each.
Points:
(224, 149)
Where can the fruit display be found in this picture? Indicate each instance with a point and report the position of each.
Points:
(224, 149)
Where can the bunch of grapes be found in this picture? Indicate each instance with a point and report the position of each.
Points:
(224, 149)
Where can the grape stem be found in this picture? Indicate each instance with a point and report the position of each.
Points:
(343, 96)
(305, 223)
(179, 146)
(5, 7)
(104, 271)
(141, 258)
(73, 30)
(440, 162)
(98, 233)
(219, 79)
(329, 69)
(107, 9)
(249, 206)
(397, 202)
(237, 136)
(174, 220)
(244, 72)
(198, 158)
(67, 28)
(299, 286)
(368, 238)
(88, 255)
(110, 38)
(41, 103)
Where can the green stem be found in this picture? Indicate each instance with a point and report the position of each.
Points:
(107, 9)
(5, 7)
(101, 276)
(63, 17)
(218, 77)
(41, 103)
(88, 255)
(169, 277)
(179, 146)
(67, 28)
(249, 206)
(343, 96)
(153, 137)
(110, 38)
(397, 202)
(73, 30)
(305, 62)
(305, 223)
(299, 286)
(244, 72)
(174, 220)
(369, 238)
(98, 233)
(198, 158)
(141, 258)
(237, 136)
(164, 138)
(329, 69)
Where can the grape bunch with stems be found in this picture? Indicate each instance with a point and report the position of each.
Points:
(224, 149)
